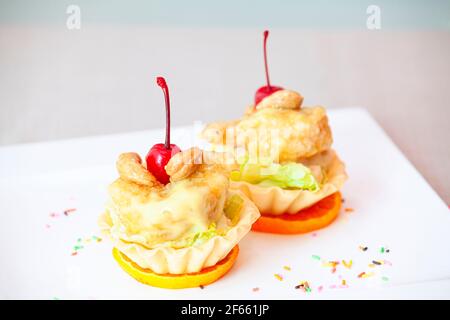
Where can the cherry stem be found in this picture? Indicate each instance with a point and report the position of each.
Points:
(162, 83)
(266, 34)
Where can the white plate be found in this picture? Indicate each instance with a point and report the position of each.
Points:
(393, 208)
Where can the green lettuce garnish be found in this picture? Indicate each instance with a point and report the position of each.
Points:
(203, 236)
(233, 207)
(287, 176)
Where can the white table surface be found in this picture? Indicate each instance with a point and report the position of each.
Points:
(393, 207)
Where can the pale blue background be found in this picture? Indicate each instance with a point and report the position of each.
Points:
(397, 14)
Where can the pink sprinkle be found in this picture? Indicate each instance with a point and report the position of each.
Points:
(333, 270)
(255, 289)
(333, 286)
(47, 226)
(54, 215)
(343, 286)
(320, 288)
(388, 263)
(74, 253)
(314, 234)
(66, 212)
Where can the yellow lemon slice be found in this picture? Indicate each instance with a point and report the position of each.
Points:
(177, 281)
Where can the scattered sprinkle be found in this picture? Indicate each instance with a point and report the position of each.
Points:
(81, 243)
(344, 282)
(333, 286)
(363, 248)
(346, 264)
(382, 249)
(343, 200)
(255, 289)
(47, 226)
(287, 268)
(278, 276)
(385, 278)
(304, 286)
(378, 263)
(67, 211)
(386, 262)
(332, 264)
(314, 234)
(365, 275)
(202, 287)
(320, 288)
(349, 210)
(315, 257)
(371, 265)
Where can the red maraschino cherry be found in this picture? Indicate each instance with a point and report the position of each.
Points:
(267, 90)
(160, 154)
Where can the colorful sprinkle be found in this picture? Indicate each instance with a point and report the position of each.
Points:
(304, 285)
(349, 210)
(386, 262)
(287, 268)
(365, 275)
(378, 263)
(255, 289)
(320, 288)
(348, 265)
(385, 278)
(332, 264)
(66, 212)
(314, 234)
(315, 257)
(202, 287)
(363, 248)
(81, 243)
(278, 276)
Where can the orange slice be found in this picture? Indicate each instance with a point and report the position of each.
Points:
(315, 217)
(177, 281)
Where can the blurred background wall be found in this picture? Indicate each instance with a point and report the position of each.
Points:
(58, 83)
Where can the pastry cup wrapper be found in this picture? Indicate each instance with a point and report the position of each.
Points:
(167, 260)
(278, 201)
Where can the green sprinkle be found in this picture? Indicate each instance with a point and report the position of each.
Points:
(385, 278)
(308, 289)
(315, 257)
(382, 250)
(78, 247)
(79, 240)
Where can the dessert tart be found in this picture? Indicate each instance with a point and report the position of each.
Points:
(287, 166)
